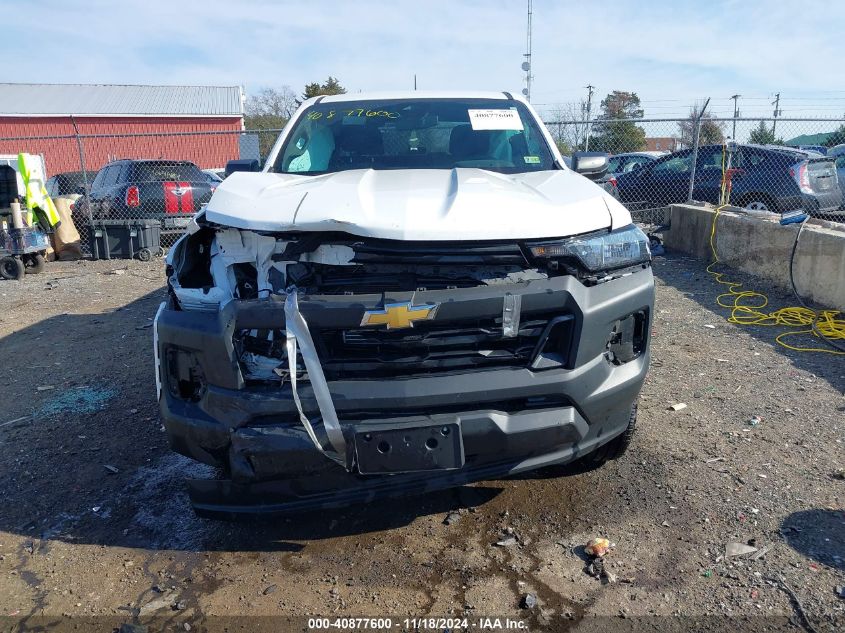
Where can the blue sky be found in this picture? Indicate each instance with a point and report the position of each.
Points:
(670, 53)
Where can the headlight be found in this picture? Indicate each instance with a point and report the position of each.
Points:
(623, 247)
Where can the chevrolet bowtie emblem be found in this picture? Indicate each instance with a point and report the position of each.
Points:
(399, 315)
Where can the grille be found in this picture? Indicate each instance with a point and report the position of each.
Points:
(429, 348)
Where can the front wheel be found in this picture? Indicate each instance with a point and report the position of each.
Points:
(11, 268)
(145, 254)
(614, 449)
(758, 202)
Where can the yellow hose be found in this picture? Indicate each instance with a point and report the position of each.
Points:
(747, 306)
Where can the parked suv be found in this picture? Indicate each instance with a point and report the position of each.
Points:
(70, 183)
(169, 190)
(414, 294)
(769, 177)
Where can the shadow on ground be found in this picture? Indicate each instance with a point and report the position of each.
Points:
(817, 534)
(689, 276)
(88, 461)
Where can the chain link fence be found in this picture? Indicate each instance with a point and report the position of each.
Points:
(776, 166)
(161, 177)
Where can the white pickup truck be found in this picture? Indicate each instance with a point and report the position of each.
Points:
(414, 293)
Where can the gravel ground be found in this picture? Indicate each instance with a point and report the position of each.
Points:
(94, 522)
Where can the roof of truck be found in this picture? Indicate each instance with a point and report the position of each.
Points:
(415, 94)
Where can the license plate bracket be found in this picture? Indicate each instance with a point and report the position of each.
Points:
(409, 447)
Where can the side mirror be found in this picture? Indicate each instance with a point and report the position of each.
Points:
(242, 164)
(593, 165)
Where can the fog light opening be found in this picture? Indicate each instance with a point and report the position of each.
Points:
(185, 376)
(627, 339)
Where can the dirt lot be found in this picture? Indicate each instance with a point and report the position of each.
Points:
(94, 523)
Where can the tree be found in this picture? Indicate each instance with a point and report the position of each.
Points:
(762, 135)
(330, 87)
(837, 138)
(269, 109)
(614, 131)
(712, 132)
(568, 126)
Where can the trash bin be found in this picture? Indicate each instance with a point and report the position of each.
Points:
(126, 239)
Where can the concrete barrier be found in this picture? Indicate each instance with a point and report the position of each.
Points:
(762, 247)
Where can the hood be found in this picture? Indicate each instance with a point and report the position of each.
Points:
(418, 204)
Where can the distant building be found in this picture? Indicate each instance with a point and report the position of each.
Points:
(821, 138)
(662, 144)
(31, 112)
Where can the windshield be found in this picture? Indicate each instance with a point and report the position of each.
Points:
(497, 135)
(162, 171)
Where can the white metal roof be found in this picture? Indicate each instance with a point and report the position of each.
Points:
(119, 100)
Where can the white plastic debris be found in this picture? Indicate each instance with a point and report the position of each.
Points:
(738, 549)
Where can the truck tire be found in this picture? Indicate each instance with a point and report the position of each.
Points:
(11, 268)
(614, 449)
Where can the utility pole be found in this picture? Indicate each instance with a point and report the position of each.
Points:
(526, 65)
(776, 113)
(589, 88)
(695, 141)
(736, 114)
(415, 81)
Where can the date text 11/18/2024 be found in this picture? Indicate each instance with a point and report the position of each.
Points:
(417, 624)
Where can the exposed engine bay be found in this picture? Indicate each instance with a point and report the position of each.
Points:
(214, 266)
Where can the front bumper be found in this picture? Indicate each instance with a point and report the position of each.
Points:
(512, 419)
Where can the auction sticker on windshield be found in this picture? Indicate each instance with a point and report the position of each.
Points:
(495, 119)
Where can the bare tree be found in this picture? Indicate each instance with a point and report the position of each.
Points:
(568, 126)
(712, 132)
(270, 108)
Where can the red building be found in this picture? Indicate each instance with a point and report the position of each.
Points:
(662, 143)
(114, 121)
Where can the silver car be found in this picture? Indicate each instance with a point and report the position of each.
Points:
(837, 152)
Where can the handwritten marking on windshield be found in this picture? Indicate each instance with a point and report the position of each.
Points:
(356, 112)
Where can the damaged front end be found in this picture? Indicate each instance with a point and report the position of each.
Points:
(324, 368)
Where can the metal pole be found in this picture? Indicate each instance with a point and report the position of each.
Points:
(695, 149)
(527, 55)
(589, 88)
(81, 151)
(776, 103)
(736, 114)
